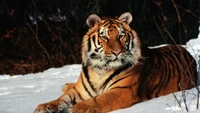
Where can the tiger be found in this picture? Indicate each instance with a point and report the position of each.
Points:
(118, 71)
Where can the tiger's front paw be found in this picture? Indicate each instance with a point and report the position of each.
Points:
(56, 106)
(84, 108)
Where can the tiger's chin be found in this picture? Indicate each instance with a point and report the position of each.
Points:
(103, 66)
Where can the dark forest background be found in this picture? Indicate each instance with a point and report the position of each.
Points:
(38, 34)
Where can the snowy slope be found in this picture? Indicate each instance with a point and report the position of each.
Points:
(21, 94)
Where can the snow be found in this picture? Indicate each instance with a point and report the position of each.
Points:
(21, 94)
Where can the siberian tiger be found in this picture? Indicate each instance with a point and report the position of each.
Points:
(118, 72)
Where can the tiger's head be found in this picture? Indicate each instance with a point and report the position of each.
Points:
(110, 43)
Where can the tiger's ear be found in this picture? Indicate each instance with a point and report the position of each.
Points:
(126, 17)
(92, 20)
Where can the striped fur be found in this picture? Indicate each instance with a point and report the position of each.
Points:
(117, 72)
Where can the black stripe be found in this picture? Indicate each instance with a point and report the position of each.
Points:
(78, 94)
(73, 102)
(128, 42)
(66, 103)
(94, 41)
(98, 42)
(162, 78)
(85, 71)
(105, 24)
(117, 81)
(86, 87)
(132, 43)
(115, 73)
(95, 100)
(97, 49)
(89, 44)
(94, 56)
(118, 24)
(172, 71)
(121, 87)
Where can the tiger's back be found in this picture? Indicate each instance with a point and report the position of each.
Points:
(166, 69)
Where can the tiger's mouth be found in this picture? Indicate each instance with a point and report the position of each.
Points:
(115, 59)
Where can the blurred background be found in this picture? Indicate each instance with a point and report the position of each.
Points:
(39, 34)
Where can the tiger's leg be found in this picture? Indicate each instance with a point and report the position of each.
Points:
(68, 86)
(114, 99)
(62, 104)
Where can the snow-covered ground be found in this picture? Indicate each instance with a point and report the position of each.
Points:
(21, 94)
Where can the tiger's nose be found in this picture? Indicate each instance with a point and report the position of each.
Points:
(116, 52)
